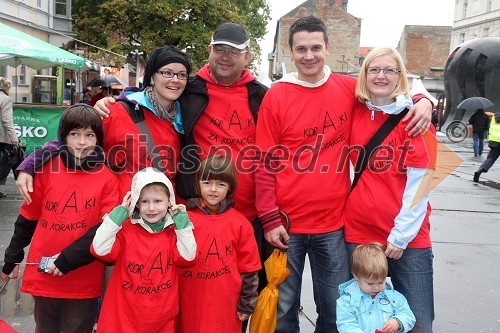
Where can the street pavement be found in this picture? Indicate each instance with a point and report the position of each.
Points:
(466, 244)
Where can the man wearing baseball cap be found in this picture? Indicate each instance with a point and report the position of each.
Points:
(220, 107)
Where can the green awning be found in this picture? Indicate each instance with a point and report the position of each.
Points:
(18, 48)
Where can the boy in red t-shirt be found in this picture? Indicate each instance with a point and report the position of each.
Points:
(72, 193)
(147, 248)
(220, 291)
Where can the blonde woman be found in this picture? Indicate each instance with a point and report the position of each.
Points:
(390, 204)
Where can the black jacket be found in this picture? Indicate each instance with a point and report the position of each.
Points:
(194, 102)
(480, 122)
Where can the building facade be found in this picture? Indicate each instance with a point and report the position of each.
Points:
(48, 20)
(343, 31)
(475, 19)
(424, 49)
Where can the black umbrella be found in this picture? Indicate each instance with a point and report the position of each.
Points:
(475, 103)
(107, 81)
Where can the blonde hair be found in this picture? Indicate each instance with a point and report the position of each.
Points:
(402, 88)
(369, 261)
(5, 84)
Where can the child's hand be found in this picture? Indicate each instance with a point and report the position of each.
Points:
(242, 316)
(14, 274)
(180, 217)
(127, 199)
(390, 326)
(53, 270)
(174, 209)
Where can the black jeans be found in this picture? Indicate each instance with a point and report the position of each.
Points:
(54, 315)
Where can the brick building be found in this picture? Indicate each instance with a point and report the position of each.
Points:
(343, 31)
(425, 49)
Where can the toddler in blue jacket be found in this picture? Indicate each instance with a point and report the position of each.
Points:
(367, 303)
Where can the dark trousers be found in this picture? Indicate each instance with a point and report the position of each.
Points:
(54, 315)
(490, 159)
(265, 250)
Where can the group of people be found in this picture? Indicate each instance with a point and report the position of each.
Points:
(238, 155)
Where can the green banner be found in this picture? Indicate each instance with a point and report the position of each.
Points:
(36, 125)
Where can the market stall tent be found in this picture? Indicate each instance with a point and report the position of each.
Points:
(18, 48)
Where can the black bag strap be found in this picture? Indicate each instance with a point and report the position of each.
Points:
(374, 142)
(137, 115)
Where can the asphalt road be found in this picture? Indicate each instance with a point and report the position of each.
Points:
(465, 235)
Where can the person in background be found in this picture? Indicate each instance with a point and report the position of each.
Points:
(8, 135)
(494, 144)
(368, 303)
(390, 202)
(220, 291)
(148, 237)
(480, 124)
(64, 208)
(87, 95)
(97, 96)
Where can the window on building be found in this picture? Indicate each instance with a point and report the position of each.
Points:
(61, 7)
(461, 38)
(3, 71)
(464, 13)
(488, 6)
(486, 32)
(23, 75)
(39, 3)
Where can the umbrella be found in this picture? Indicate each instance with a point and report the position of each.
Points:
(107, 81)
(475, 103)
(264, 317)
(18, 48)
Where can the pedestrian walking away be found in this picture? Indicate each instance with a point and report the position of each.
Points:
(480, 122)
(494, 144)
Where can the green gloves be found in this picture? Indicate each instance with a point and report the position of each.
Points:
(118, 215)
(181, 220)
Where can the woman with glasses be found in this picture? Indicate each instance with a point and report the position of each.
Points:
(128, 147)
(390, 202)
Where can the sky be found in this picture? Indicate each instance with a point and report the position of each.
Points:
(382, 20)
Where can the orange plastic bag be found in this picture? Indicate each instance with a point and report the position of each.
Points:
(263, 319)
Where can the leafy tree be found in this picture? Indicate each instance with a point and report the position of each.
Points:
(122, 26)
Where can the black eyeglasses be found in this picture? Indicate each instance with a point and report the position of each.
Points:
(232, 50)
(387, 70)
(168, 74)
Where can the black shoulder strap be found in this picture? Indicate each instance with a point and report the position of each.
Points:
(137, 115)
(375, 141)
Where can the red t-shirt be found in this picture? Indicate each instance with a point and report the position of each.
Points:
(66, 205)
(228, 122)
(377, 198)
(313, 125)
(209, 291)
(124, 146)
(142, 295)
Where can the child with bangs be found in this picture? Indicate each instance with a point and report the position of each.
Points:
(367, 303)
(71, 194)
(220, 290)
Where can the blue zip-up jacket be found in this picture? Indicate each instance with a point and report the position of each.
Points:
(357, 312)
